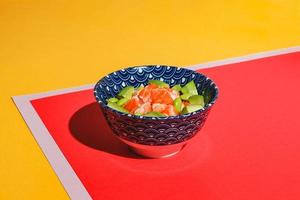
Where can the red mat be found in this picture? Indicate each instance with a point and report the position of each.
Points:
(249, 147)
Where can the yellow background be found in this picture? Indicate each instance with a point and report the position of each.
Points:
(46, 45)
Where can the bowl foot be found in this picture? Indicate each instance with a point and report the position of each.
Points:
(149, 151)
(153, 154)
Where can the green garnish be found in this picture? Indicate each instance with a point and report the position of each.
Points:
(197, 100)
(189, 88)
(154, 114)
(112, 100)
(159, 83)
(177, 88)
(191, 108)
(178, 104)
(126, 92)
(117, 107)
(185, 96)
(121, 102)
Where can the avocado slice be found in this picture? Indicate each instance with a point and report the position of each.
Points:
(112, 100)
(189, 88)
(126, 92)
(185, 96)
(177, 88)
(191, 108)
(178, 104)
(154, 114)
(117, 107)
(159, 83)
(197, 100)
(121, 102)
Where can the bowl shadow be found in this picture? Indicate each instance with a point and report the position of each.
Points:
(89, 127)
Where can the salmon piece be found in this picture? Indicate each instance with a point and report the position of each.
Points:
(174, 94)
(158, 107)
(170, 111)
(152, 86)
(132, 104)
(161, 95)
(145, 94)
(143, 108)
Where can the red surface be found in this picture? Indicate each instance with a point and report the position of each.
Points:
(249, 147)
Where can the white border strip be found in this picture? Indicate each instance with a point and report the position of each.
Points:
(59, 163)
(62, 168)
(245, 58)
(54, 92)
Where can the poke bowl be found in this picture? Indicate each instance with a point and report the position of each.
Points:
(155, 136)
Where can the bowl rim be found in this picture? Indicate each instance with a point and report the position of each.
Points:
(206, 107)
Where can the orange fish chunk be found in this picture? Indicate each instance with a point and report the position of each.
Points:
(143, 108)
(158, 107)
(132, 104)
(145, 94)
(161, 95)
(170, 111)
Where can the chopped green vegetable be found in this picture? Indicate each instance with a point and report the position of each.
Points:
(154, 114)
(117, 107)
(177, 88)
(121, 102)
(112, 100)
(178, 104)
(190, 88)
(126, 92)
(159, 83)
(197, 100)
(185, 96)
(191, 108)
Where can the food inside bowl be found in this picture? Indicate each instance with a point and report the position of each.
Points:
(158, 99)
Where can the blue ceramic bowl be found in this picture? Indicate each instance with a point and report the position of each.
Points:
(154, 136)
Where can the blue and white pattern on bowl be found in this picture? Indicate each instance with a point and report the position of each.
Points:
(154, 130)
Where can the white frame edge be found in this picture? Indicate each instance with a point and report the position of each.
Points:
(245, 58)
(59, 163)
(71, 182)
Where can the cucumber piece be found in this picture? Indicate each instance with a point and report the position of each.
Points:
(154, 114)
(185, 96)
(126, 92)
(112, 100)
(159, 83)
(121, 102)
(177, 88)
(116, 107)
(191, 108)
(189, 88)
(178, 104)
(197, 100)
